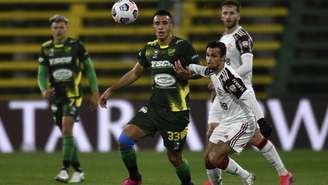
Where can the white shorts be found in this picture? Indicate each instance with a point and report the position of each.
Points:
(237, 133)
(214, 112)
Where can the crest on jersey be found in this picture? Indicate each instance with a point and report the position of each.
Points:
(155, 53)
(67, 49)
(51, 52)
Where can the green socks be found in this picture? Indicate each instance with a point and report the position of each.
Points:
(68, 150)
(183, 172)
(130, 161)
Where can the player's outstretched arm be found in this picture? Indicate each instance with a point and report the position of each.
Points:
(127, 79)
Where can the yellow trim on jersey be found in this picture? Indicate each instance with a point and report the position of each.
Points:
(46, 43)
(183, 92)
(154, 42)
(59, 45)
(78, 102)
(164, 46)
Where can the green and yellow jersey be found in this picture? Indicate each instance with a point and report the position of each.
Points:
(169, 91)
(64, 64)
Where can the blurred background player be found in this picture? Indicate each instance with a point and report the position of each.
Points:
(240, 57)
(235, 112)
(168, 108)
(61, 62)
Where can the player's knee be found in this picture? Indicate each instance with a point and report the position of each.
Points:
(257, 138)
(213, 157)
(125, 142)
(208, 164)
(175, 159)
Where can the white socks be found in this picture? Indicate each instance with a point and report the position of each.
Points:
(270, 154)
(214, 176)
(235, 169)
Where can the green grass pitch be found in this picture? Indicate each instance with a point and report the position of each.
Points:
(309, 168)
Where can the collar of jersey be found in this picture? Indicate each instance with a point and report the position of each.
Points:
(167, 45)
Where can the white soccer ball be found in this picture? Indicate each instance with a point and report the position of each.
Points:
(125, 11)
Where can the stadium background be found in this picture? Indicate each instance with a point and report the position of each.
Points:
(290, 70)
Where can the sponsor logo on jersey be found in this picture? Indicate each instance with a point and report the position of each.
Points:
(164, 80)
(245, 43)
(61, 75)
(62, 60)
(161, 64)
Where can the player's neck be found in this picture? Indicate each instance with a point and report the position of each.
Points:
(232, 29)
(219, 68)
(60, 41)
(166, 41)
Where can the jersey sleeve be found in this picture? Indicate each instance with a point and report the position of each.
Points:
(189, 55)
(232, 83)
(142, 59)
(43, 59)
(244, 43)
(82, 52)
(200, 70)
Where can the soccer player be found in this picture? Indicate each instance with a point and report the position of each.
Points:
(168, 109)
(235, 112)
(61, 63)
(240, 57)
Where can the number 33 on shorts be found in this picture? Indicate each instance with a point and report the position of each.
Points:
(176, 136)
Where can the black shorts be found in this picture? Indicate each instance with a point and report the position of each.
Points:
(69, 107)
(172, 126)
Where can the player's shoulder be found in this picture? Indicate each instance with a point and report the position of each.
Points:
(152, 43)
(241, 34)
(46, 44)
(228, 73)
(180, 41)
(73, 41)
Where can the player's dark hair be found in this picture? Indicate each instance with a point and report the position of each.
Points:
(217, 44)
(163, 13)
(58, 18)
(231, 3)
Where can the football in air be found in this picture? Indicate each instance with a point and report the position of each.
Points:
(125, 11)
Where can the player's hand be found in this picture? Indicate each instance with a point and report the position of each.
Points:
(49, 93)
(181, 71)
(103, 98)
(265, 128)
(94, 101)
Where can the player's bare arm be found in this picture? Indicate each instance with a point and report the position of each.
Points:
(127, 79)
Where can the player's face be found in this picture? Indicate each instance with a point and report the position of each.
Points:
(214, 58)
(230, 16)
(58, 30)
(163, 27)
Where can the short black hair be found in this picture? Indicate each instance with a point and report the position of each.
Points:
(58, 18)
(162, 12)
(231, 3)
(217, 44)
